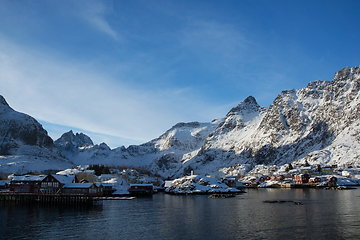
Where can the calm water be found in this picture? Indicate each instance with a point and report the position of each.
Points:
(325, 214)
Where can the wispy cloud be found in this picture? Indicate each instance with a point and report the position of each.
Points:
(94, 12)
(70, 94)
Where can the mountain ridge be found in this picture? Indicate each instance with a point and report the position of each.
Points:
(318, 123)
(297, 126)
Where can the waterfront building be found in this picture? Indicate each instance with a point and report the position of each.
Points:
(89, 189)
(141, 189)
(52, 184)
(301, 178)
(26, 183)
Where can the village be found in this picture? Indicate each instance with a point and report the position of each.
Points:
(302, 176)
(82, 185)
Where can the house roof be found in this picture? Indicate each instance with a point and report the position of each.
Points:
(168, 183)
(106, 176)
(78, 185)
(29, 178)
(64, 179)
(3, 182)
(104, 184)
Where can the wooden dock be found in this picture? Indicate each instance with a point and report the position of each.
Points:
(65, 199)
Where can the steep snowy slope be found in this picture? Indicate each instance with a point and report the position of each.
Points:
(24, 144)
(162, 155)
(235, 130)
(184, 139)
(319, 123)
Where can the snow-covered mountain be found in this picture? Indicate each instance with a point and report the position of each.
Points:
(319, 123)
(162, 155)
(25, 145)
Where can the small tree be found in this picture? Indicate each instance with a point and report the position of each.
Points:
(99, 169)
(290, 167)
(319, 168)
(307, 164)
(105, 170)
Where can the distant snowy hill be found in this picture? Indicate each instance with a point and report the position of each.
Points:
(25, 145)
(162, 155)
(319, 123)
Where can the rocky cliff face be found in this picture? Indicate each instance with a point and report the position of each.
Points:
(70, 144)
(319, 123)
(18, 129)
(23, 140)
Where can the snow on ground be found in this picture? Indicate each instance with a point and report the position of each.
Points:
(267, 184)
(120, 185)
(197, 184)
(22, 164)
(68, 172)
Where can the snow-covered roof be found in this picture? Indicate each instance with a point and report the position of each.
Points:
(64, 179)
(3, 182)
(29, 178)
(168, 183)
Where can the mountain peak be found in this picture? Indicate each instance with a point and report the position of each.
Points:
(248, 105)
(74, 141)
(250, 100)
(3, 101)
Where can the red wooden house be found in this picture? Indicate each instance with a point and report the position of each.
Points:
(231, 182)
(89, 189)
(261, 179)
(4, 184)
(26, 183)
(332, 179)
(107, 188)
(301, 178)
(280, 177)
(53, 184)
(314, 180)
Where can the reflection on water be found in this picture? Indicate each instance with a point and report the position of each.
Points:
(322, 215)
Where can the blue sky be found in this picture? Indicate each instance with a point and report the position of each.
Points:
(124, 72)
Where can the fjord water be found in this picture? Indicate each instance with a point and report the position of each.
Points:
(322, 214)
